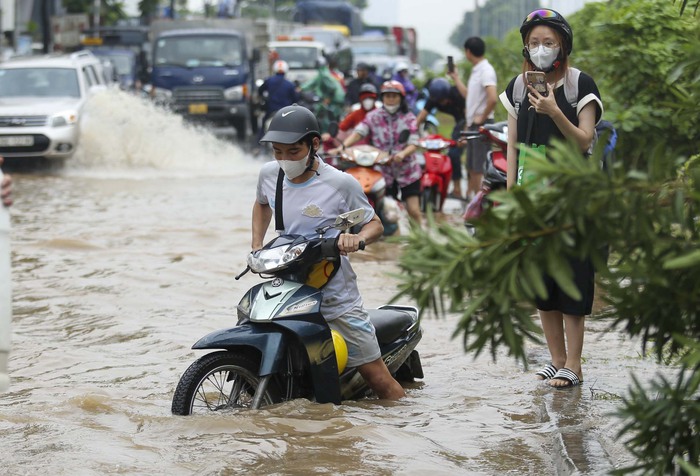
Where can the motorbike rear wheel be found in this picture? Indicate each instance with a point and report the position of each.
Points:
(431, 197)
(220, 381)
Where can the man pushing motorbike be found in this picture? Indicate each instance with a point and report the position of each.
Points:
(304, 194)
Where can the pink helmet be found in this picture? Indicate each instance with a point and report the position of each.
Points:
(393, 86)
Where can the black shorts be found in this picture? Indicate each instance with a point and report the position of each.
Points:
(410, 190)
(558, 300)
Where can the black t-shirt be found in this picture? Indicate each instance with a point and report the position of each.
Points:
(544, 128)
(455, 105)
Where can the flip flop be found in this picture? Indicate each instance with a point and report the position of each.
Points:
(547, 372)
(568, 375)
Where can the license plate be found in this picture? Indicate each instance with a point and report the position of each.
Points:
(16, 141)
(198, 109)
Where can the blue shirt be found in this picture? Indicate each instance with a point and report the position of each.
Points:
(280, 92)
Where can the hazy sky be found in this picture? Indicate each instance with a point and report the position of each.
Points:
(434, 20)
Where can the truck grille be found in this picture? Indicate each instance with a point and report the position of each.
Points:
(198, 94)
(22, 121)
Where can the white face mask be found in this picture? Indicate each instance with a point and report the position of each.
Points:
(367, 104)
(293, 168)
(543, 57)
(392, 109)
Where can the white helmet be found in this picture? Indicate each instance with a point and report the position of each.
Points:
(400, 66)
(280, 66)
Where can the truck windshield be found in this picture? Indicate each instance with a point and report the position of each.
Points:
(299, 57)
(41, 82)
(199, 50)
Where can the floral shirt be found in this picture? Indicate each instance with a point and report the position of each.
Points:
(383, 131)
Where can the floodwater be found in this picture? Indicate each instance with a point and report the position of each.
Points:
(123, 258)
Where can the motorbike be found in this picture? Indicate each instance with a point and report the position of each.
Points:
(282, 348)
(360, 161)
(495, 168)
(437, 171)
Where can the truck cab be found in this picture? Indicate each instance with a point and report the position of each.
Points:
(203, 74)
(303, 55)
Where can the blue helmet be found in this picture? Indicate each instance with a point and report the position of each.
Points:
(439, 89)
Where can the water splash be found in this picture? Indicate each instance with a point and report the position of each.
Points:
(122, 131)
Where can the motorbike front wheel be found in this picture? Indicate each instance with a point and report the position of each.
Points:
(220, 381)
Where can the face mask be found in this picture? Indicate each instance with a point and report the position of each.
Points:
(292, 168)
(367, 104)
(392, 109)
(543, 57)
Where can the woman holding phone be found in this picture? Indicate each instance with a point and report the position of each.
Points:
(570, 110)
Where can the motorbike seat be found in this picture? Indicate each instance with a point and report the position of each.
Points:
(390, 323)
(497, 127)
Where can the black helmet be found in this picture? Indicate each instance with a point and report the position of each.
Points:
(552, 19)
(291, 124)
(368, 88)
(439, 89)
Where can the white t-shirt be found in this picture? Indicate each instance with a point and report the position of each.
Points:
(482, 75)
(313, 204)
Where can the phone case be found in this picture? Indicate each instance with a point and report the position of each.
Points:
(539, 82)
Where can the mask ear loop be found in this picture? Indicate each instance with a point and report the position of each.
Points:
(311, 158)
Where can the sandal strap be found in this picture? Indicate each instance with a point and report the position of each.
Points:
(567, 374)
(548, 371)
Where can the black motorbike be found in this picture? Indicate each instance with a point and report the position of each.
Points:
(282, 348)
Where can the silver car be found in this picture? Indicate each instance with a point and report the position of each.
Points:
(41, 101)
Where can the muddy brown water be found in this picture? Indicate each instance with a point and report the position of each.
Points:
(124, 257)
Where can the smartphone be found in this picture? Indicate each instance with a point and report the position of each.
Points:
(450, 64)
(537, 80)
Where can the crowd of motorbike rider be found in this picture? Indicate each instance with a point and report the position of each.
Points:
(373, 110)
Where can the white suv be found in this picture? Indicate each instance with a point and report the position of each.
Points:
(41, 100)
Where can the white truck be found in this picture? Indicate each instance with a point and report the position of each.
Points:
(303, 56)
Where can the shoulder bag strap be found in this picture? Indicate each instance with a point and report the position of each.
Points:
(279, 219)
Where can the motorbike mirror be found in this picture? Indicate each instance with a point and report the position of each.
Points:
(333, 129)
(404, 135)
(347, 220)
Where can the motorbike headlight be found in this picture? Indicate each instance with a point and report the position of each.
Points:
(235, 93)
(244, 308)
(64, 119)
(273, 259)
(366, 159)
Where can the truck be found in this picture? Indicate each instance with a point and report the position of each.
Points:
(205, 69)
(302, 54)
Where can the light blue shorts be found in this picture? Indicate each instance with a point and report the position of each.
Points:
(359, 335)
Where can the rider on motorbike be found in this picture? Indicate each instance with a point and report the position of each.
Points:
(313, 194)
(368, 100)
(277, 91)
(383, 127)
(449, 100)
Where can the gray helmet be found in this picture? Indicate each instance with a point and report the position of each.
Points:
(291, 124)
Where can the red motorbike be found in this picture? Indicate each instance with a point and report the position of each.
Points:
(437, 171)
(495, 169)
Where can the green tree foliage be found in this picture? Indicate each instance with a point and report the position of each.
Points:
(632, 49)
(645, 57)
(110, 10)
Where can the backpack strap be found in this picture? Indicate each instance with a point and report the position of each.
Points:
(571, 86)
(519, 92)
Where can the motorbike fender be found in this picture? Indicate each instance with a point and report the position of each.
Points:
(270, 342)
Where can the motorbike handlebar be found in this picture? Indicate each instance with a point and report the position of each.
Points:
(329, 247)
